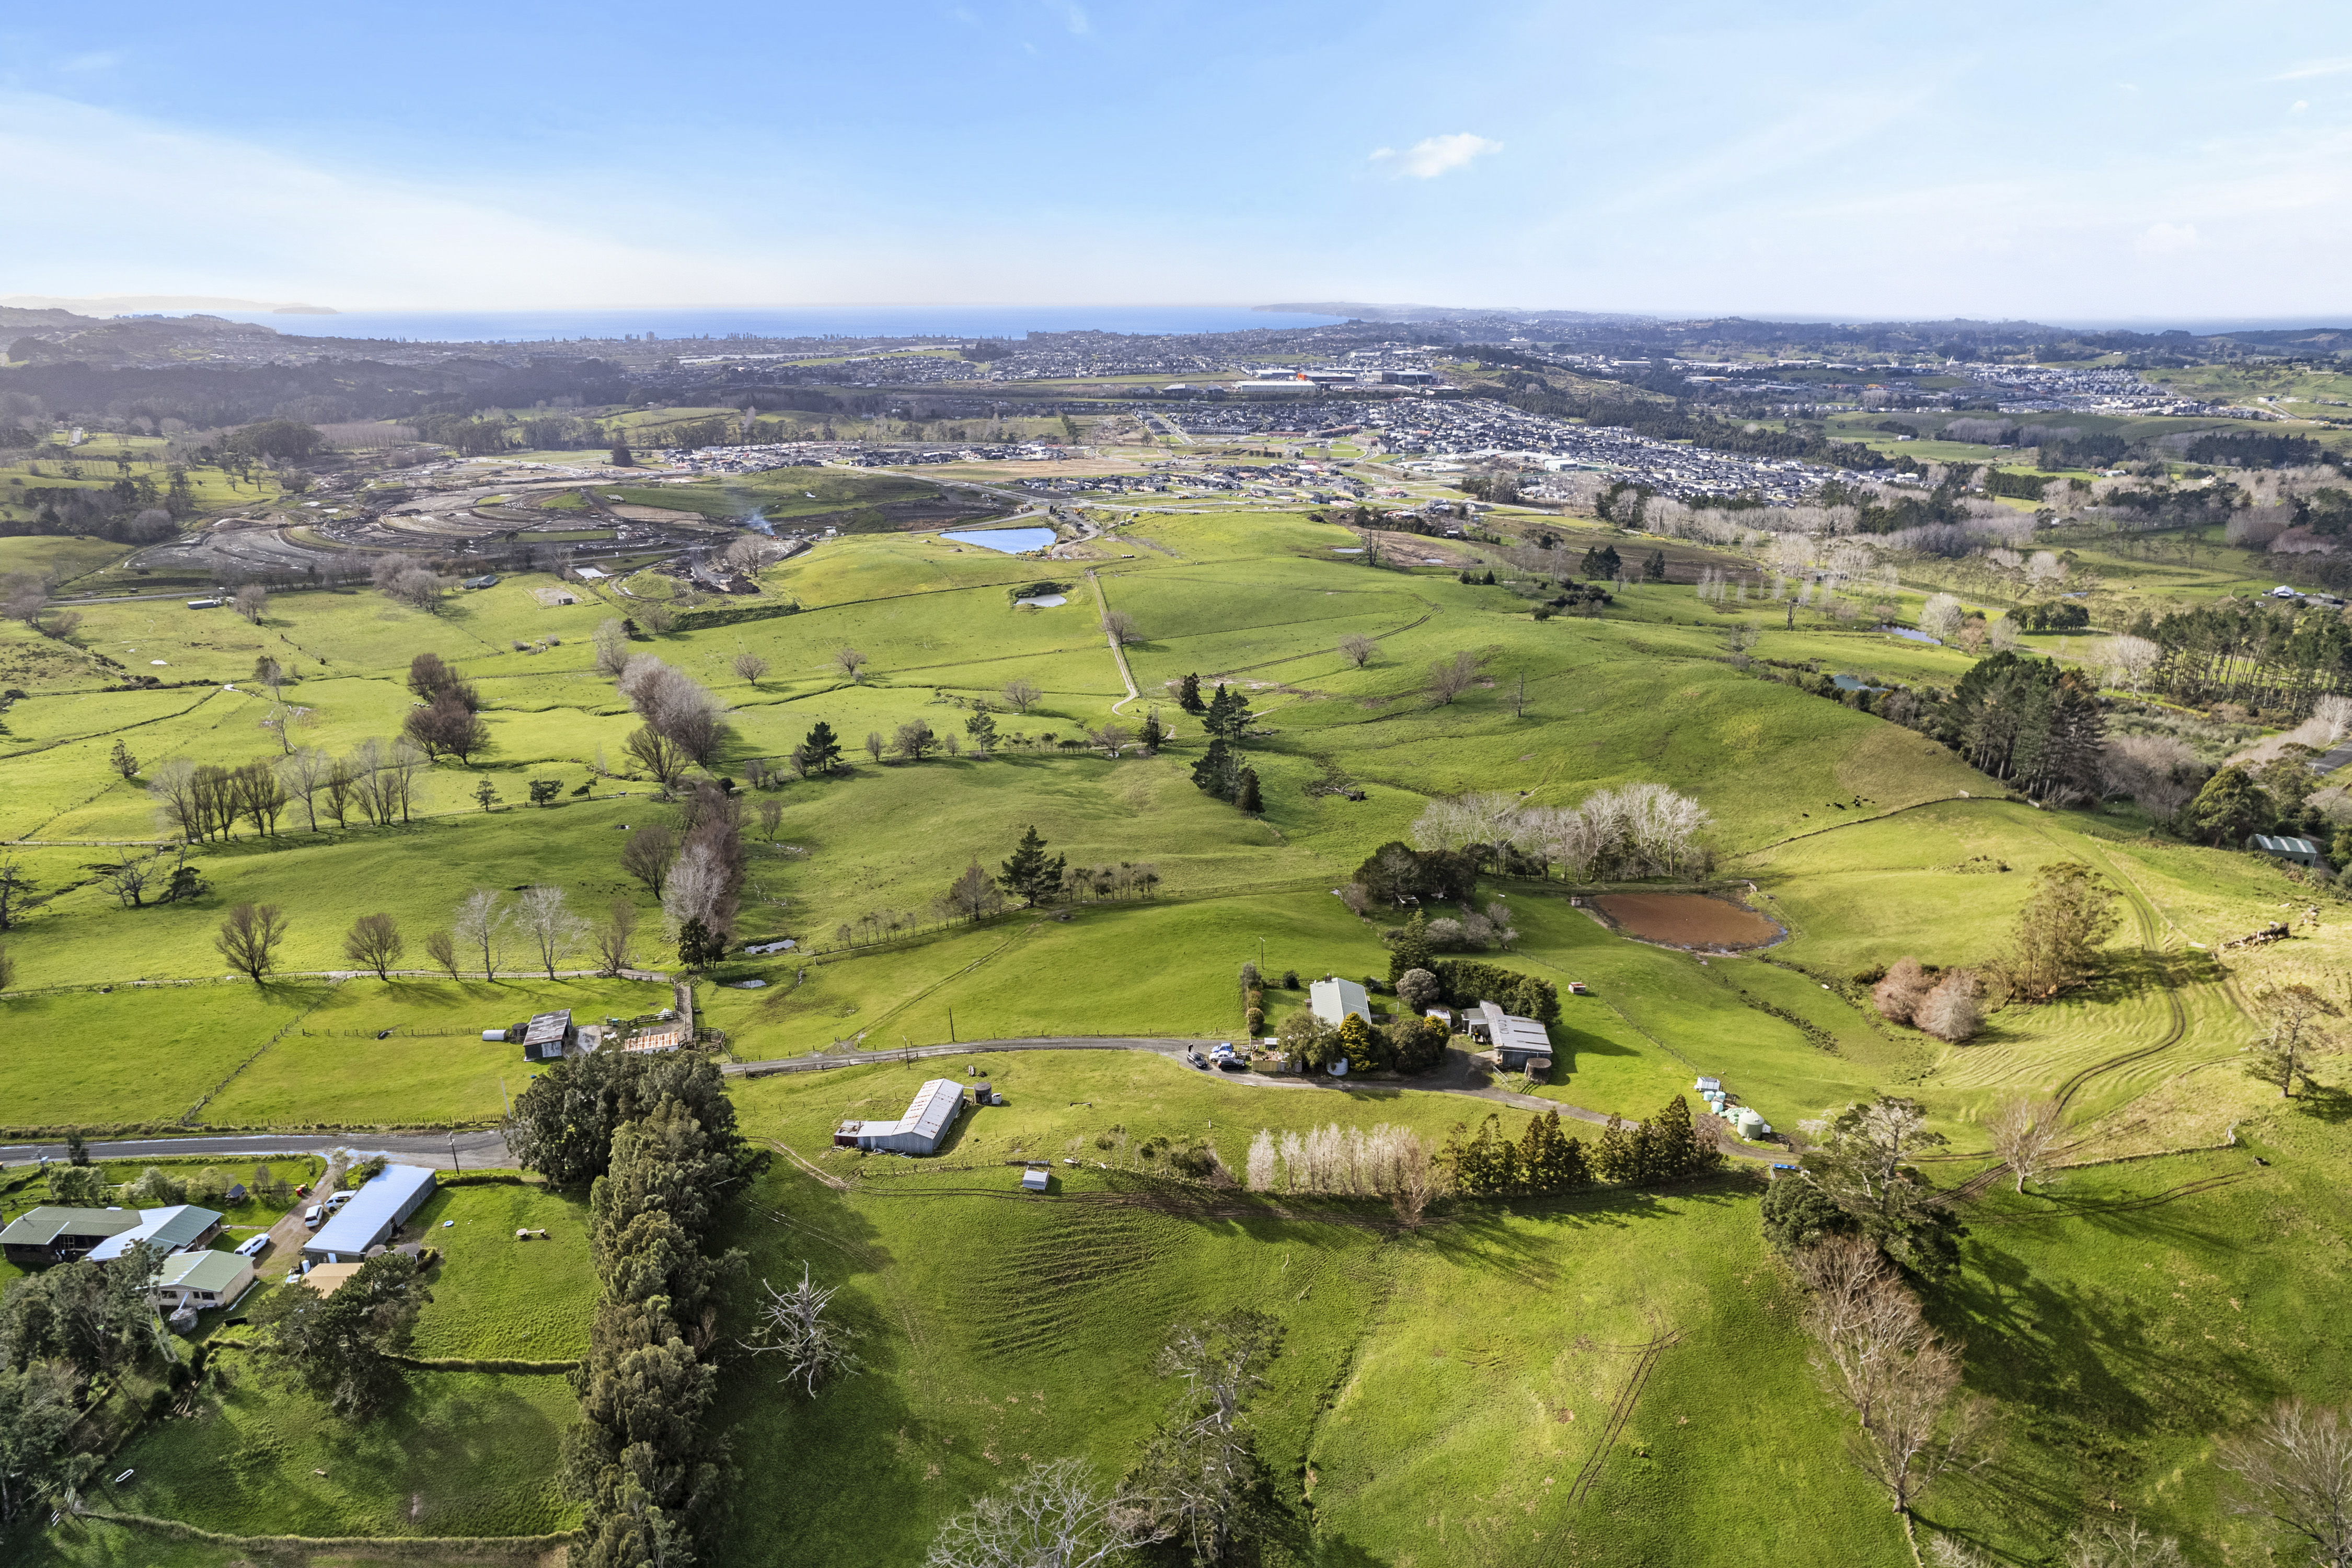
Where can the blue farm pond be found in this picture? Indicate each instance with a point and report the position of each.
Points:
(1010, 541)
(1854, 683)
(1911, 634)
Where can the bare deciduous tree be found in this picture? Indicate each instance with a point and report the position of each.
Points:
(1055, 1516)
(1357, 650)
(614, 938)
(1922, 1428)
(1450, 678)
(2025, 1133)
(1954, 1010)
(374, 942)
(1120, 627)
(128, 877)
(248, 939)
(657, 755)
(793, 1325)
(973, 895)
(1020, 696)
(252, 602)
(771, 816)
(303, 773)
(2121, 1543)
(2128, 660)
(1198, 1470)
(612, 647)
(481, 927)
(554, 930)
(850, 662)
(750, 667)
(442, 949)
(648, 853)
(2293, 1468)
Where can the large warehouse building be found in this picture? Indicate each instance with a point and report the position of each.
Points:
(920, 1131)
(375, 1211)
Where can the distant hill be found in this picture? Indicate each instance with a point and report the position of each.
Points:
(130, 304)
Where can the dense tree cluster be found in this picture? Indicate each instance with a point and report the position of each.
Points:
(656, 1141)
(61, 1331)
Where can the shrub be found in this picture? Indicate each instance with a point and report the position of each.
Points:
(1256, 1021)
(1468, 980)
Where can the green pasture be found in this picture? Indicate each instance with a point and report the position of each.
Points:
(60, 559)
(461, 1454)
(497, 1298)
(435, 1066)
(1024, 1328)
(137, 1054)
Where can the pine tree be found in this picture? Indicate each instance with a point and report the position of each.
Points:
(1217, 772)
(1228, 714)
(1655, 569)
(1674, 1144)
(822, 748)
(698, 946)
(1188, 694)
(1409, 948)
(1248, 799)
(1152, 734)
(981, 728)
(1029, 876)
(1624, 1155)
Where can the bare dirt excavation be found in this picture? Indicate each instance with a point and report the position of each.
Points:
(1688, 920)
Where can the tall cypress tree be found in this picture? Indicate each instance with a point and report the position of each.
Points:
(1188, 694)
(1249, 798)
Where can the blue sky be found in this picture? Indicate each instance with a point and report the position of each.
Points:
(2061, 162)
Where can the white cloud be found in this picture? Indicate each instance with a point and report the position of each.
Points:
(1434, 155)
(2336, 66)
(252, 221)
(99, 61)
(1074, 17)
(2299, 105)
(2162, 239)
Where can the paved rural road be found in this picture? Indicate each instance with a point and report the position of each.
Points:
(475, 1151)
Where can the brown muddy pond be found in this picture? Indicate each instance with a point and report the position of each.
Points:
(1688, 920)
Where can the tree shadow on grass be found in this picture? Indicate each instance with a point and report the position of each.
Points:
(2097, 1381)
(2325, 1103)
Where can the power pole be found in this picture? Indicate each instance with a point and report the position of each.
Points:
(453, 1150)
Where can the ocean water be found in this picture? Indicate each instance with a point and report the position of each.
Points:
(776, 321)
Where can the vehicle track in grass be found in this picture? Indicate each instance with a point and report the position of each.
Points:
(1620, 1411)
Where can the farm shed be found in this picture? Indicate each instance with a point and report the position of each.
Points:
(2302, 851)
(1333, 1000)
(548, 1035)
(1518, 1042)
(372, 1216)
(1036, 1180)
(929, 1116)
(175, 1229)
(201, 1279)
(48, 1234)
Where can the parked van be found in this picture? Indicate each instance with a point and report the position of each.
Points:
(312, 1215)
(254, 1248)
(337, 1199)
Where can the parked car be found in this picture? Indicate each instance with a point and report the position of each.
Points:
(313, 1216)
